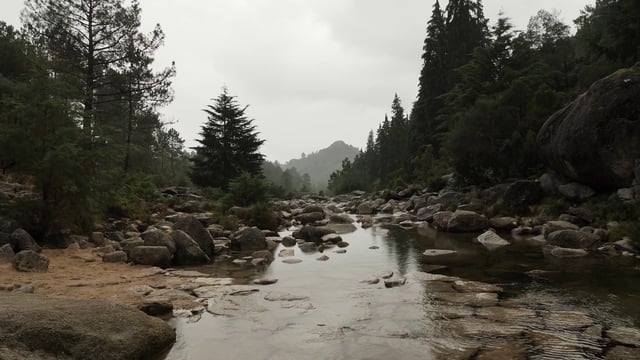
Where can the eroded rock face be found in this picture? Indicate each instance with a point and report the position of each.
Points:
(594, 140)
(195, 229)
(81, 329)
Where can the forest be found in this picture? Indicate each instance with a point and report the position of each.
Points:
(81, 97)
(484, 91)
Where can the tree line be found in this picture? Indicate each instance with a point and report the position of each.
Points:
(485, 90)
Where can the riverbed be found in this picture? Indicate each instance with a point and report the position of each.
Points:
(555, 308)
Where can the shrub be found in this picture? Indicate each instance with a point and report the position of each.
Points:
(245, 190)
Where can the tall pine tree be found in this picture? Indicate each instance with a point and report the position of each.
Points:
(229, 144)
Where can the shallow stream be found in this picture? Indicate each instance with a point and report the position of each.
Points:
(560, 310)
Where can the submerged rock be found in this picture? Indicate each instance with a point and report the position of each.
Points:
(625, 335)
(438, 252)
(491, 240)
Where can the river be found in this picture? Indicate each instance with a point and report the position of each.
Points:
(559, 310)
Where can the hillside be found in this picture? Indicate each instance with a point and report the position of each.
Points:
(319, 165)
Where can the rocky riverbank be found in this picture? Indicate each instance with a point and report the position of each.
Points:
(133, 263)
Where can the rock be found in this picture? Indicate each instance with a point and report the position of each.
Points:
(371, 281)
(438, 252)
(309, 218)
(159, 238)
(170, 295)
(560, 252)
(140, 290)
(504, 314)
(332, 238)
(565, 320)
(312, 233)
(441, 220)
(341, 219)
(323, 258)
(342, 244)
(283, 296)
(491, 240)
(97, 238)
(463, 221)
(624, 335)
(30, 261)
(553, 226)
(573, 239)
(156, 307)
(626, 194)
(424, 276)
(6, 254)
(266, 281)
(189, 207)
(594, 140)
(475, 287)
(264, 254)
(522, 231)
(503, 223)
(59, 239)
(522, 194)
(481, 299)
(342, 229)
(115, 257)
(21, 240)
(623, 353)
(190, 225)
(446, 198)
(365, 208)
(249, 239)
(308, 247)
(549, 183)
(292, 261)
(286, 253)
(188, 252)
(81, 329)
(151, 255)
(130, 243)
(259, 262)
(426, 213)
(576, 191)
(389, 283)
(341, 251)
(289, 241)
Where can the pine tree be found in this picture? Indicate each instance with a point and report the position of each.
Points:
(432, 82)
(229, 144)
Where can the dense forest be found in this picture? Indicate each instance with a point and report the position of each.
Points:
(484, 91)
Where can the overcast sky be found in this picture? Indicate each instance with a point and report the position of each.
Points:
(312, 71)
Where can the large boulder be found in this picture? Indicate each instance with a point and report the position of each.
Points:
(6, 254)
(30, 261)
(198, 232)
(594, 140)
(463, 221)
(187, 250)
(151, 255)
(309, 218)
(21, 240)
(81, 329)
(522, 194)
(573, 239)
(249, 239)
(159, 238)
(313, 233)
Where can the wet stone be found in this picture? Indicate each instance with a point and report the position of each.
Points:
(503, 351)
(323, 258)
(475, 286)
(473, 327)
(562, 320)
(286, 253)
(292, 261)
(424, 276)
(549, 344)
(385, 274)
(503, 314)
(266, 281)
(623, 353)
(451, 312)
(390, 283)
(374, 247)
(468, 299)
(624, 335)
(341, 251)
(284, 296)
(438, 252)
(371, 281)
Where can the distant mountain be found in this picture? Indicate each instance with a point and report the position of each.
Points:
(319, 165)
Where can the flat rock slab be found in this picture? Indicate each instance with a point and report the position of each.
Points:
(424, 276)
(472, 327)
(171, 295)
(187, 273)
(207, 292)
(284, 296)
(213, 281)
(475, 287)
(623, 353)
(438, 252)
(292, 261)
(625, 335)
(468, 299)
(564, 320)
(267, 281)
(81, 329)
(504, 314)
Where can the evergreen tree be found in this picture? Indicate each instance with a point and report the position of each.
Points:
(228, 146)
(432, 82)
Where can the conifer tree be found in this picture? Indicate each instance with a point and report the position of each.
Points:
(229, 144)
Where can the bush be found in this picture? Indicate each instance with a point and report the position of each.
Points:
(245, 190)
(263, 217)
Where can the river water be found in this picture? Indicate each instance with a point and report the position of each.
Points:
(338, 316)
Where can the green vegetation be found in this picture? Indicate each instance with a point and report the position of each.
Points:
(485, 91)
